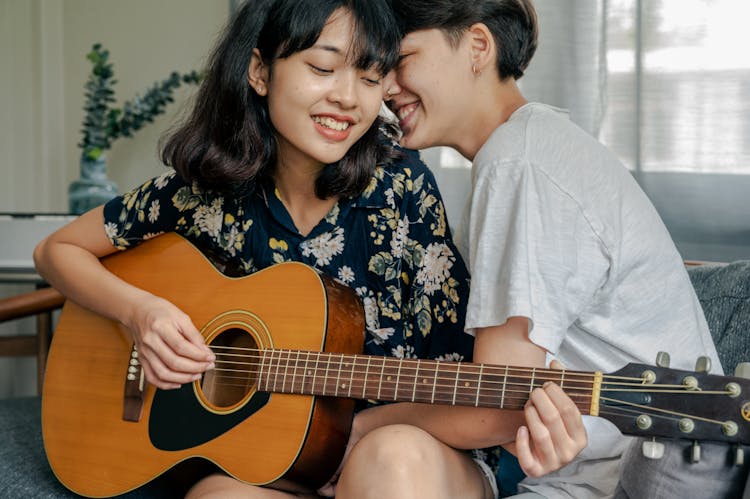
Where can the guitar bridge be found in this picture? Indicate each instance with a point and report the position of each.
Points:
(134, 384)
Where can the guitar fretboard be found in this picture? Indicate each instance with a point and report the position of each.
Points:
(414, 380)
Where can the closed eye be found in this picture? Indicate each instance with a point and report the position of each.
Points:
(319, 70)
(372, 82)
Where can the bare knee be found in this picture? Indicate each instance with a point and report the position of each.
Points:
(396, 446)
(221, 486)
(389, 459)
(402, 461)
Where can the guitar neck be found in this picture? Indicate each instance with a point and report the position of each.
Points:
(417, 380)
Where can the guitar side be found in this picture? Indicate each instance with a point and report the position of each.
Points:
(95, 452)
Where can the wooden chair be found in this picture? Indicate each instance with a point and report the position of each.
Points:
(40, 303)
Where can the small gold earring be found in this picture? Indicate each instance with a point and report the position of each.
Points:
(475, 71)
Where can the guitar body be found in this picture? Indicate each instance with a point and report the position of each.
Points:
(255, 436)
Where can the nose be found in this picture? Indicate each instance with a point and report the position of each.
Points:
(344, 91)
(390, 86)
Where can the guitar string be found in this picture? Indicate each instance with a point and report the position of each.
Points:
(484, 392)
(616, 409)
(491, 392)
(664, 411)
(306, 357)
(350, 361)
(606, 409)
(300, 353)
(667, 415)
(555, 375)
(355, 357)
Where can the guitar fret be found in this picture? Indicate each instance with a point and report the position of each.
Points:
(505, 384)
(351, 376)
(302, 371)
(274, 375)
(398, 380)
(306, 375)
(479, 385)
(382, 372)
(533, 375)
(261, 374)
(338, 379)
(455, 386)
(286, 370)
(367, 371)
(416, 378)
(294, 373)
(434, 383)
(314, 380)
(325, 377)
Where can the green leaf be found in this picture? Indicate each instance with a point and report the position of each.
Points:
(94, 153)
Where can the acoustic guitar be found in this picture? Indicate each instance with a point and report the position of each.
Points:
(280, 403)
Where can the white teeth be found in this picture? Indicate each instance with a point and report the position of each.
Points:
(331, 123)
(406, 111)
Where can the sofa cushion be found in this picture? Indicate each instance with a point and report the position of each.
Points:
(23, 465)
(24, 470)
(724, 294)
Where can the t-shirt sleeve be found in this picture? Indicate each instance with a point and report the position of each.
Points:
(533, 253)
(159, 205)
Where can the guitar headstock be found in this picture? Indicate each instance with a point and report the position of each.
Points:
(656, 401)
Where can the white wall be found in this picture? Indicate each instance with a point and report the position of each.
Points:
(43, 44)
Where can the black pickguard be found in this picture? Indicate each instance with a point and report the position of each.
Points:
(178, 421)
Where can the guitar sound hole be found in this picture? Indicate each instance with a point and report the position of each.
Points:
(237, 365)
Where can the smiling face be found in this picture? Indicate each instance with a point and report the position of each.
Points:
(319, 103)
(430, 87)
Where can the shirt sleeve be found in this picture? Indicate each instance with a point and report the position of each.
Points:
(162, 204)
(533, 253)
(437, 275)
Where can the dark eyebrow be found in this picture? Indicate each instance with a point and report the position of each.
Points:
(328, 48)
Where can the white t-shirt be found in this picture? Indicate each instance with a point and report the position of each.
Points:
(558, 231)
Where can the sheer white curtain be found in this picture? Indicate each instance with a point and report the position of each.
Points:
(663, 84)
(678, 115)
(568, 71)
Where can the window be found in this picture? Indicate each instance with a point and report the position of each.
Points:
(679, 85)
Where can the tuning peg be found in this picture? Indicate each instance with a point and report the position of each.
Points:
(742, 370)
(695, 452)
(739, 455)
(662, 359)
(703, 364)
(653, 449)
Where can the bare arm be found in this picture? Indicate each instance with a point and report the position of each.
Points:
(553, 433)
(172, 351)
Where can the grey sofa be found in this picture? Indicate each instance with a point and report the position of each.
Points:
(724, 292)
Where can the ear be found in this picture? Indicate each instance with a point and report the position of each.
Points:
(482, 47)
(257, 74)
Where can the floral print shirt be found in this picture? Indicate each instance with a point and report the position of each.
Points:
(391, 245)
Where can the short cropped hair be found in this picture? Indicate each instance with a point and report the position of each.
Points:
(513, 24)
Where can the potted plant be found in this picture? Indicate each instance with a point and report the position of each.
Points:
(103, 124)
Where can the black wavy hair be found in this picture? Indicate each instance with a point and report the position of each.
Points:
(227, 138)
(513, 24)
